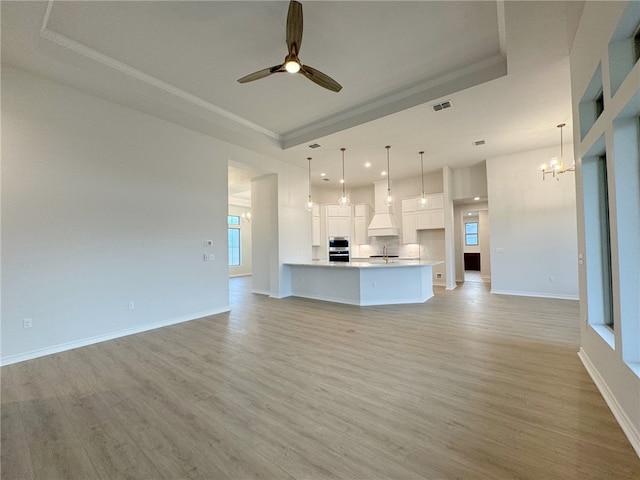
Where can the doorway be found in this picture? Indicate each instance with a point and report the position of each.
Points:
(473, 262)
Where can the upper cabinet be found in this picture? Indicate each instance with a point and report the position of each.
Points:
(415, 217)
(431, 216)
(338, 221)
(315, 226)
(361, 220)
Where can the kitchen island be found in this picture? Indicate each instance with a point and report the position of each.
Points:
(363, 283)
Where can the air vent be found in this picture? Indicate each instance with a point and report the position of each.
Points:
(478, 143)
(441, 106)
(314, 145)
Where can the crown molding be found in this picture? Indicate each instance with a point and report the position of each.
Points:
(82, 49)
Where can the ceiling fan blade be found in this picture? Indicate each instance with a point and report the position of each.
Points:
(320, 78)
(294, 27)
(260, 74)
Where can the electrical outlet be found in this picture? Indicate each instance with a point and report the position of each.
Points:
(208, 243)
(438, 275)
(132, 305)
(552, 279)
(27, 323)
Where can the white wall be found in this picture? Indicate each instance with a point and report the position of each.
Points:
(533, 227)
(470, 182)
(264, 198)
(611, 357)
(245, 243)
(102, 205)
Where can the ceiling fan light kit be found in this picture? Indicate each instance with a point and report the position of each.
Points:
(291, 62)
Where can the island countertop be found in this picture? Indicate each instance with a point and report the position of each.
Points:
(394, 263)
(363, 283)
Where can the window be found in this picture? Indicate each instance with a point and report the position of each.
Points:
(605, 241)
(234, 247)
(636, 45)
(234, 241)
(599, 104)
(471, 233)
(598, 243)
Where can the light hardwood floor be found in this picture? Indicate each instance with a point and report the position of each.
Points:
(467, 385)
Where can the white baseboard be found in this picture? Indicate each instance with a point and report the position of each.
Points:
(630, 430)
(261, 292)
(559, 296)
(62, 347)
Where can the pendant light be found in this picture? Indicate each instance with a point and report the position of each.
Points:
(309, 205)
(423, 199)
(343, 201)
(389, 200)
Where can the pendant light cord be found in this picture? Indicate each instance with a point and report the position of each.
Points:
(343, 181)
(422, 172)
(309, 158)
(388, 172)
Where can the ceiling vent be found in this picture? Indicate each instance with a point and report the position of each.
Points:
(441, 106)
(478, 143)
(314, 145)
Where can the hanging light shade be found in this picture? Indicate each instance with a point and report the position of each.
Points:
(309, 205)
(389, 199)
(555, 167)
(423, 198)
(343, 201)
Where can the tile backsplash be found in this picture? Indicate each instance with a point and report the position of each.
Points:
(394, 247)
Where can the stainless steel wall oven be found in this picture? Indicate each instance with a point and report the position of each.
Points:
(338, 249)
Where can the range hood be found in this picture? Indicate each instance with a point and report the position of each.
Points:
(383, 223)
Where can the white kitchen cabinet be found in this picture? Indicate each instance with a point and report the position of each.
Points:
(338, 226)
(339, 220)
(436, 218)
(431, 216)
(430, 219)
(415, 217)
(315, 231)
(435, 201)
(338, 211)
(409, 230)
(408, 205)
(361, 220)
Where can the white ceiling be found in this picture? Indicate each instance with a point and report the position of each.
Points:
(503, 65)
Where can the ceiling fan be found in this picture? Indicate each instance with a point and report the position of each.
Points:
(291, 62)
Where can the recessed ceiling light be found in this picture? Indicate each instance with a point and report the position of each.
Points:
(368, 164)
(342, 180)
(476, 198)
(323, 174)
(469, 214)
(383, 173)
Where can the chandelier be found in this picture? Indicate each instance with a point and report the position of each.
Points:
(555, 167)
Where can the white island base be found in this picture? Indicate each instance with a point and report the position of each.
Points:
(363, 283)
